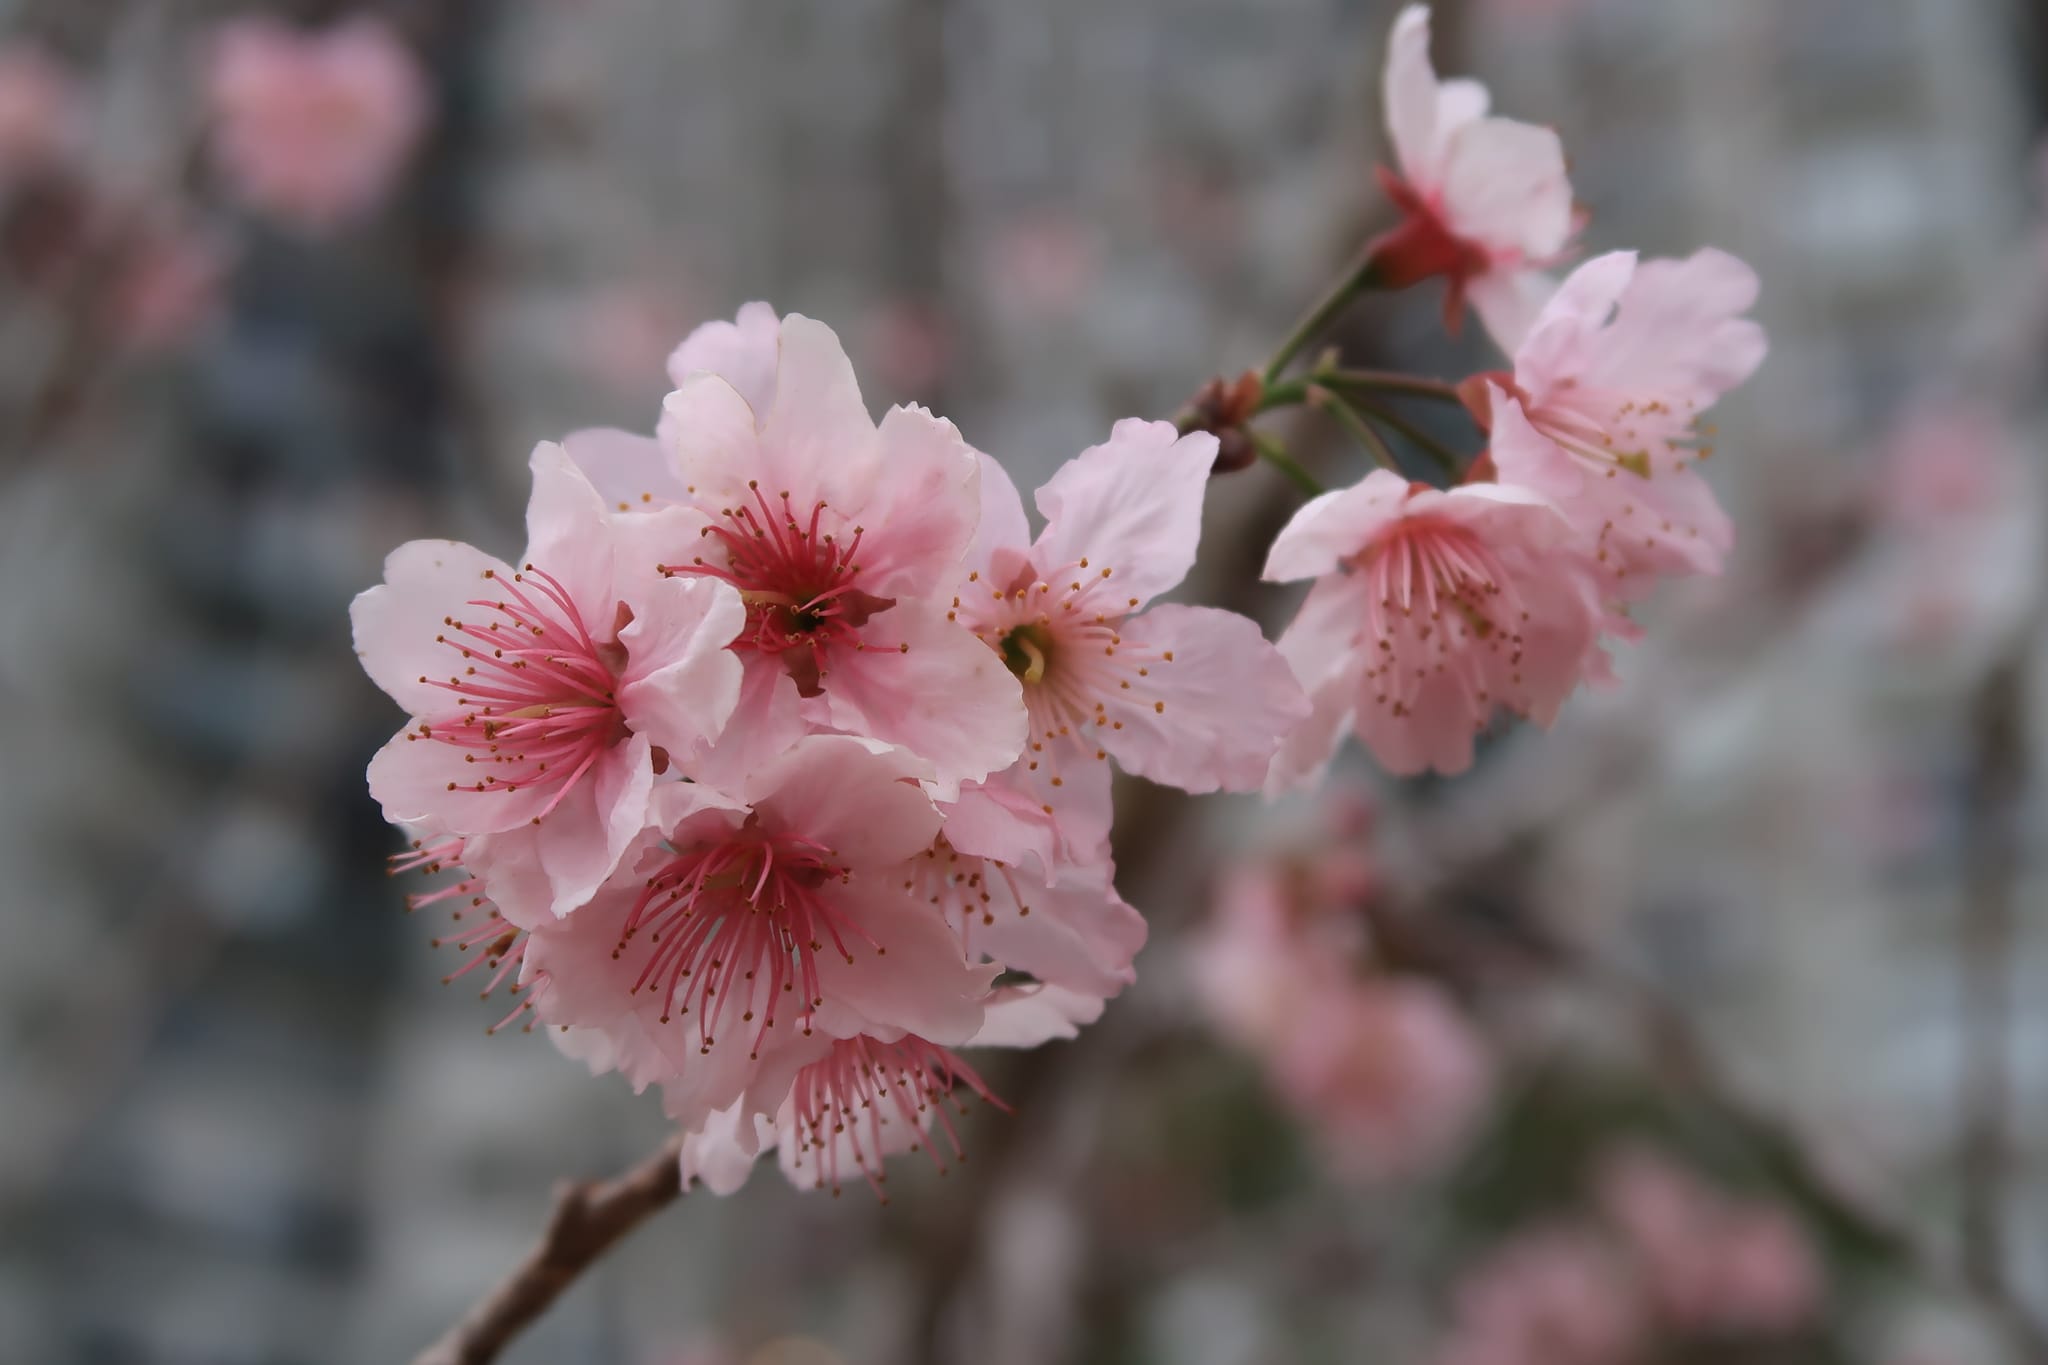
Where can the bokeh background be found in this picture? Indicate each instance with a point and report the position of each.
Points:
(1773, 908)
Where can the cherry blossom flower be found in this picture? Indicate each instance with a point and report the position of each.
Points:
(1387, 1073)
(1431, 609)
(313, 127)
(41, 119)
(1014, 899)
(545, 698)
(1714, 1264)
(1485, 202)
(861, 1101)
(1608, 390)
(1193, 697)
(836, 532)
(743, 927)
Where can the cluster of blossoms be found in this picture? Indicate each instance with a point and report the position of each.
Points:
(777, 767)
(1383, 1067)
(1432, 608)
(1667, 1259)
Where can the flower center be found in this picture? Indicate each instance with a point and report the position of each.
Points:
(1026, 650)
(798, 580)
(748, 916)
(535, 698)
(866, 1098)
(1427, 566)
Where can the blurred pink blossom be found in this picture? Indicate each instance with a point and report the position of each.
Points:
(168, 283)
(1431, 609)
(909, 343)
(1554, 1295)
(1041, 263)
(1714, 1264)
(1485, 202)
(41, 112)
(313, 127)
(1947, 462)
(1387, 1072)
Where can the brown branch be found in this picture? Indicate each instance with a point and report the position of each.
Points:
(588, 1217)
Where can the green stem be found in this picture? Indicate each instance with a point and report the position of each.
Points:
(1374, 443)
(1390, 381)
(1450, 461)
(1358, 281)
(1276, 455)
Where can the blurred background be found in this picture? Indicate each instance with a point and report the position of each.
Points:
(1710, 1026)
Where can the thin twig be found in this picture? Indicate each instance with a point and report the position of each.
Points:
(588, 1217)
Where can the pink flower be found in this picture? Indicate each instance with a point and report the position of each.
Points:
(1485, 202)
(1431, 609)
(744, 928)
(1714, 1264)
(1014, 898)
(861, 1101)
(41, 118)
(1387, 1072)
(314, 127)
(1551, 1296)
(545, 699)
(837, 533)
(1609, 387)
(1193, 697)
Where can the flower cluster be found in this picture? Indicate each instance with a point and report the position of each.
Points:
(1383, 1067)
(1433, 608)
(777, 766)
(1668, 1260)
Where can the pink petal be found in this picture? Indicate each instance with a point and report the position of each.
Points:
(857, 798)
(1325, 645)
(1333, 526)
(946, 697)
(1002, 526)
(417, 779)
(817, 439)
(919, 506)
(1410, 91)
(628, 470)
(566, 534)
(1077, 933)
(743, 353)
(918, 982)
(1028, 1015)
(1131, 507)
(708, 431)
(681, 682)
(1229, 699)
(397, 624)
(1505, 187)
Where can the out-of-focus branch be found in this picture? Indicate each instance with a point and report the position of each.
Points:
(1990, 857)
(587, 1219)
